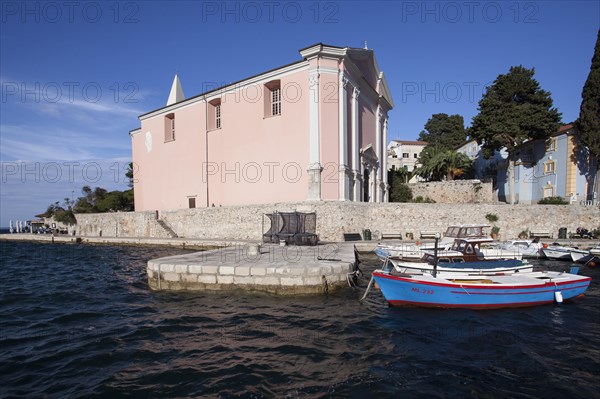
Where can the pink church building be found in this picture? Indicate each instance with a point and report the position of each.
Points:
(313, 130)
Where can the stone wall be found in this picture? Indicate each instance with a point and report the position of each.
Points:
(120, 224)
(456, 191)
(334, 219)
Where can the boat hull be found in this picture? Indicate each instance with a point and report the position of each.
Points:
(557, 254)
(580, 256)
(507, 266)
(426, 291)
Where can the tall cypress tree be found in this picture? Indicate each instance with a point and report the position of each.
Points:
(513, 110)
(588, 123)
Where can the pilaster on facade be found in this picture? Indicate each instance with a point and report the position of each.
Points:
(314, 168)
(379, 148)
(384, 161)
(344, 181)
(355, 149)
(314, 182)
(382, 191)
(346, 177)
(357, 186)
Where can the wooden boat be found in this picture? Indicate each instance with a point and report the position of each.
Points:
(464, 256)
(479, 292)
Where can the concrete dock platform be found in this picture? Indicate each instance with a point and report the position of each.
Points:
(281, 270)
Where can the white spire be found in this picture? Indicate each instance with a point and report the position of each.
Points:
(366, 48)
(176, 94)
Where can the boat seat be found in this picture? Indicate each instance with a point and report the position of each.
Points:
(428, 234)
(391, 235)
(540, 233)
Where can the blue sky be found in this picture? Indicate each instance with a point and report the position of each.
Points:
(75, 75)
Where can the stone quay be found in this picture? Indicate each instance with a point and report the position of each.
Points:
(270, 268)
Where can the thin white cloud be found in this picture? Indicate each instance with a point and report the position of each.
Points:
(35, 142)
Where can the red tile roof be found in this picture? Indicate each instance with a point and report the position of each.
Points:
(565, 127)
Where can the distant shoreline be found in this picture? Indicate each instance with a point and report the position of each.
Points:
(204, 244)
(122, 241)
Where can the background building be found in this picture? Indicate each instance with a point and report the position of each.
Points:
(556, 167)
(404, 154)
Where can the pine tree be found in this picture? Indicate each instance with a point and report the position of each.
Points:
(512, 111)
(446, 132)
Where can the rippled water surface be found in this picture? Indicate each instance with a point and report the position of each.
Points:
(80, 321)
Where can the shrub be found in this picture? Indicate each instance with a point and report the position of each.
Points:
(553, 201)
(420, 200)
(400, 193)
(491, 217)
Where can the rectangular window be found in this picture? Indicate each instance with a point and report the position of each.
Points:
(415, 155)
(169, 127)
(549, 167)
(272, 98)
(276, 101)
(192, 202)
(405, 155)
(551, 144)
(218, 116)
(214, 114)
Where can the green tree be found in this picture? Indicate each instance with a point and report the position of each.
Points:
(60, 213)
(514, 110)
(399, 190)
(114, 201)
(447, 132)
(129, 174)
(100, 200)
(588, 123)
(448, 164)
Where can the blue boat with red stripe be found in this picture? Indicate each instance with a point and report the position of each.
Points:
(479, 292)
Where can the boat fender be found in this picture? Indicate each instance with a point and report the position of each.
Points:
(558, 296)
(545, 245)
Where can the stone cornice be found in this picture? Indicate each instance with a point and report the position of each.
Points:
(322, 50)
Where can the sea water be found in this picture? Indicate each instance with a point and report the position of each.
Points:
(80, 321)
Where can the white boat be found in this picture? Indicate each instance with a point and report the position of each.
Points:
(582, 256)
(558, 252)
(500, 253)
(527, 248)
(578, 255)
(464, 257)
(415, 252)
